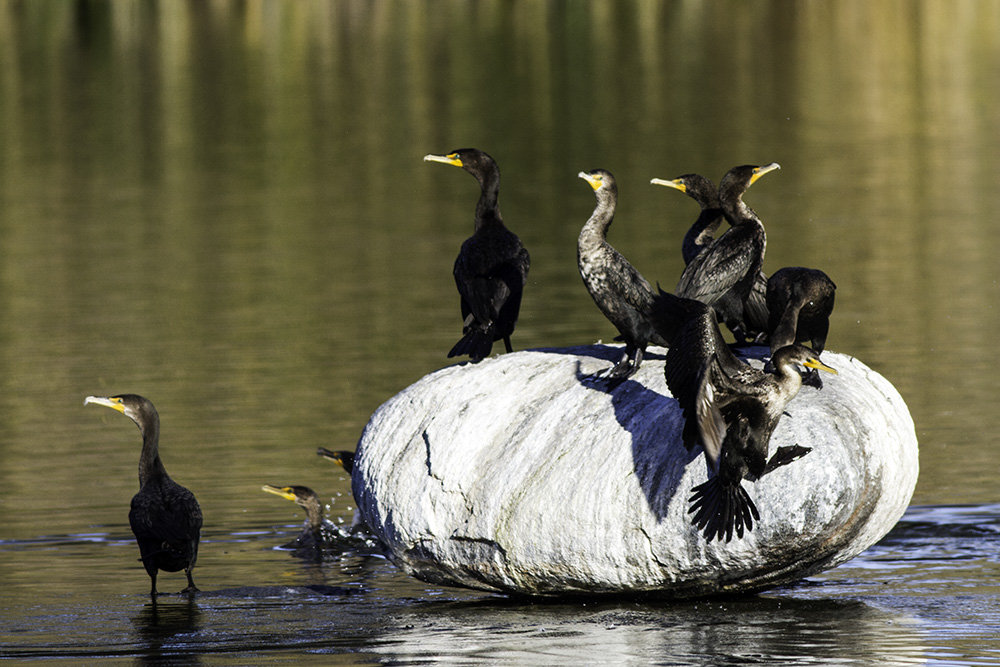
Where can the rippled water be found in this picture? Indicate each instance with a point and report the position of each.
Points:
(222, 206)
(927, 594)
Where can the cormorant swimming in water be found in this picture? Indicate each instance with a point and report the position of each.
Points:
(618, 289)
(730, 409)
(799, 303)
(492, 266)
(702, 233)
(310, 543)
(344, 459)
(724, 275)
(165, 517)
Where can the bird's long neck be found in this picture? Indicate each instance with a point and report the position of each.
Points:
(789, 382)
(314, 514)
(150, 466)
(596, 229)
(488, 208)
(735, 210)
(702, 233)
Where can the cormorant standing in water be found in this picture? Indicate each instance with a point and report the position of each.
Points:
(702, 233)
(491, 267)
(799, 303)
(724, 275)
(310, 543)
(344, 459)
(730, 409)
(617, 288)
(165, 517)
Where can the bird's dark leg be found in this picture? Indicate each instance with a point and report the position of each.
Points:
(191, 588)
(152, 584)
(506, 343)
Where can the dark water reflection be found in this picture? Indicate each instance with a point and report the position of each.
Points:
(223, 206)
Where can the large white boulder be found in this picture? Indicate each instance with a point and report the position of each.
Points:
(521, 474)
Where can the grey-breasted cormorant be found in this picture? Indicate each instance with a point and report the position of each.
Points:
(492, 266)
(165, 517)
(724, 275)
(344, 459)
(310, 543)
(702, 233)
(799, 303)
(730, 409)
(618, 289)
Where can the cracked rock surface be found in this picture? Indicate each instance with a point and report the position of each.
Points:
(522, 474)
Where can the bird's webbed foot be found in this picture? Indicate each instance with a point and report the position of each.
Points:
(740, 335)
(721, 509)
(623, 370)
(785, 455)
(812, 378)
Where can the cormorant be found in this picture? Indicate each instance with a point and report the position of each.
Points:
(799, 303)
(618, 289)
(702, 233)
(310, 543)
(724, 275)
(730, 409)
(344, 459)
(165, 517)
(492, 266)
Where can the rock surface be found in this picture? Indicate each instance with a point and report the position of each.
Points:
(521, 474)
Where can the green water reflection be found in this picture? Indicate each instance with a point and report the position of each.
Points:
(223, 206)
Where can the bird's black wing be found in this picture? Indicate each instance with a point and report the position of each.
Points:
(719, 268)
(172, 516)
(755, 310)
(691, 329)
(487, 272)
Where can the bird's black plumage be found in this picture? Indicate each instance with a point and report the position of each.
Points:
(344, 459)
(702, 233)
(799, 303)
(617, 287)
(309, 544)
(730, 409)
(724, 275)
(492, 265)
(165, 517)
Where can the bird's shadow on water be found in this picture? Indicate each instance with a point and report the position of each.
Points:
(654, 423)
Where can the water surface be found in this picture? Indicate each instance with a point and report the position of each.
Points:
(223, 207)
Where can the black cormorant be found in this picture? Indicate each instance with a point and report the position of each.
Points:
(165, 517)
(702, 233)
(491, 267)
(310, 542)
(730, 409)
(344, 459)
(799, 303)
(617, 288)
(724, 275)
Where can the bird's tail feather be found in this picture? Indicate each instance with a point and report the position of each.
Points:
(477, 342)
(722, 509)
